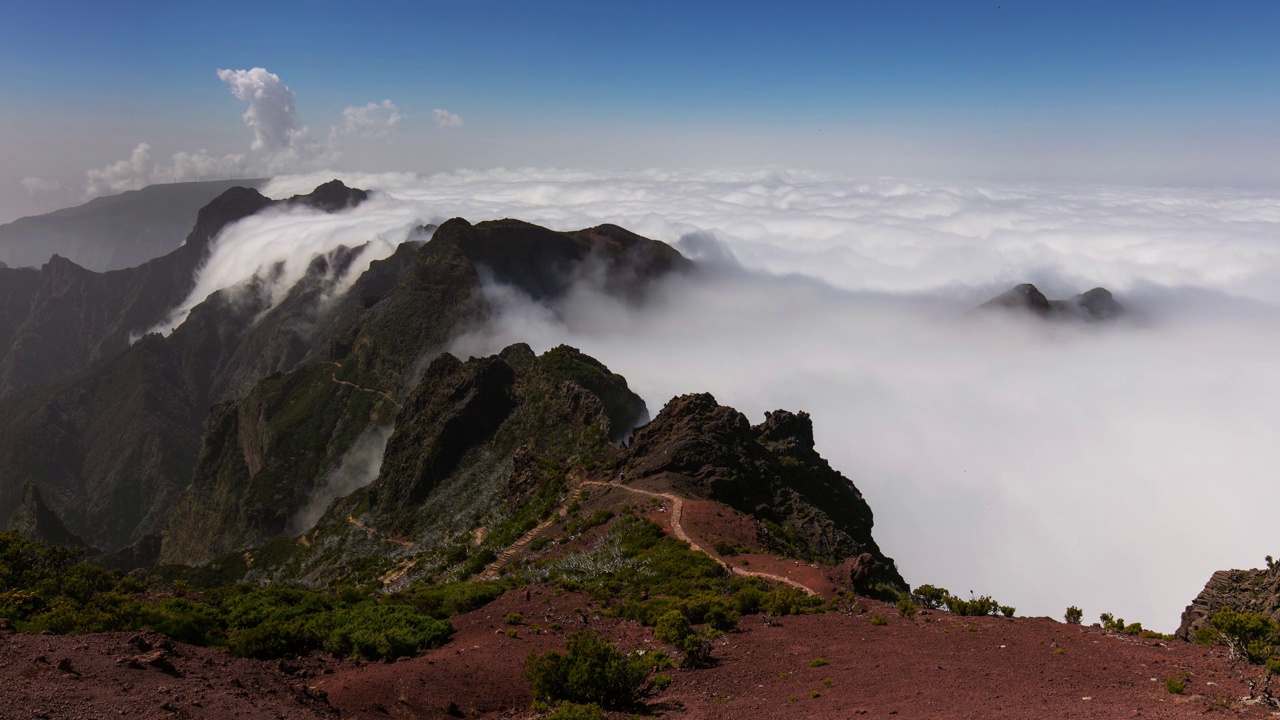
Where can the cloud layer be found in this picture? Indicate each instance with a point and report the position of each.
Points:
(1112, 467)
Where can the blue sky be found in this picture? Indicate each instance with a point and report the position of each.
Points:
(1180, 85)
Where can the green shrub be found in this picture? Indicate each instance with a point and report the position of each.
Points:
(724, 548)
(1073, 615)
(1007, 610)
(661, 682)
(675, 629)
(933, 598)
(906, 608)
(450, 599)
(878, 620)
(1253, 637)
(590, 671)
(513, 618)
(818, 662)
(1175, 686)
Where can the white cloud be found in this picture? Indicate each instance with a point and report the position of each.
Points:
(446, 119)
(271, 114)
(373, 120)
(1046, 464)
(38, 185)
(122, 175)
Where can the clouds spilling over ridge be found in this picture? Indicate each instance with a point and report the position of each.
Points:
(1108, 466)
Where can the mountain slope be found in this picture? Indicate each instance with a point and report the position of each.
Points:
(274, 446)
(113, 232)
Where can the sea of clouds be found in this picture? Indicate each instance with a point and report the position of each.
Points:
(1110, 466)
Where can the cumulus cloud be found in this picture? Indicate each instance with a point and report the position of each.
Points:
(122, 175)
(1046, 464)
(281, 142)
(374, 120)
(38, 185)
(446, 119)
(271, 114)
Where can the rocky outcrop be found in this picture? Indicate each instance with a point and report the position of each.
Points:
(33, 520)
(1096, 304)
(1240, 590)
(803, 507)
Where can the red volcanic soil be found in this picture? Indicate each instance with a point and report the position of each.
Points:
(935, 666)
(108, 676)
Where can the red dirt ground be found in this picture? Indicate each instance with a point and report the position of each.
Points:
(933, 666)
(102, 676)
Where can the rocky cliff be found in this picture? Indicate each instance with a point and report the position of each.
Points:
(1240, 590)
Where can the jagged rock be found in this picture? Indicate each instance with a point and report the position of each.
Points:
(1096, 304)
(1240, 590)
(331, 197)
(33, 520)
(804, 508)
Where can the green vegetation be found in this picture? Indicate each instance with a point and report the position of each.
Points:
(934, 598)
(1073, 615)
(878, 620)
(1175, 686)
(906, 608)
(818, 662)
(48, 589)
(1111, 623)
(675, 629)
(591, 671)
(1252, 637)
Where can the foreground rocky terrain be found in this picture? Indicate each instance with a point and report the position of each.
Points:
(936, 665)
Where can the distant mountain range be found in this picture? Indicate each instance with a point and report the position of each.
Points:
(112, 232)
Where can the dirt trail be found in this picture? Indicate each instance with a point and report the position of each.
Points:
(677, 529)
(334, 377)
(402, 543)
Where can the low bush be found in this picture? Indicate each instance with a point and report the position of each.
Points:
(675, 630)
(591, 671)
(1175, 686)
(906, 608)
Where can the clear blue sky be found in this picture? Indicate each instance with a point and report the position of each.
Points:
(1000, 76)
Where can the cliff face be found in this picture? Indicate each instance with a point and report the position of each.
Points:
(401, 313)
(1240, 590)
(112, 445)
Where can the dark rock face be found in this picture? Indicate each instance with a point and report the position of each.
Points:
(331, 197)
(1240, 590)
(111, 446)
(771, 471)
(1096, 304)
(76, 316)
(33, 520)
(363, 355)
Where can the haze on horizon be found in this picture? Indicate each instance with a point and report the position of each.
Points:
(100, 98)
(1071, 146)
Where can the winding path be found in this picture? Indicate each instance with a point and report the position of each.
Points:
(334, 377)
(677, 529)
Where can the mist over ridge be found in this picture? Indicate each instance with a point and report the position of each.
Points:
(1048, 464)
